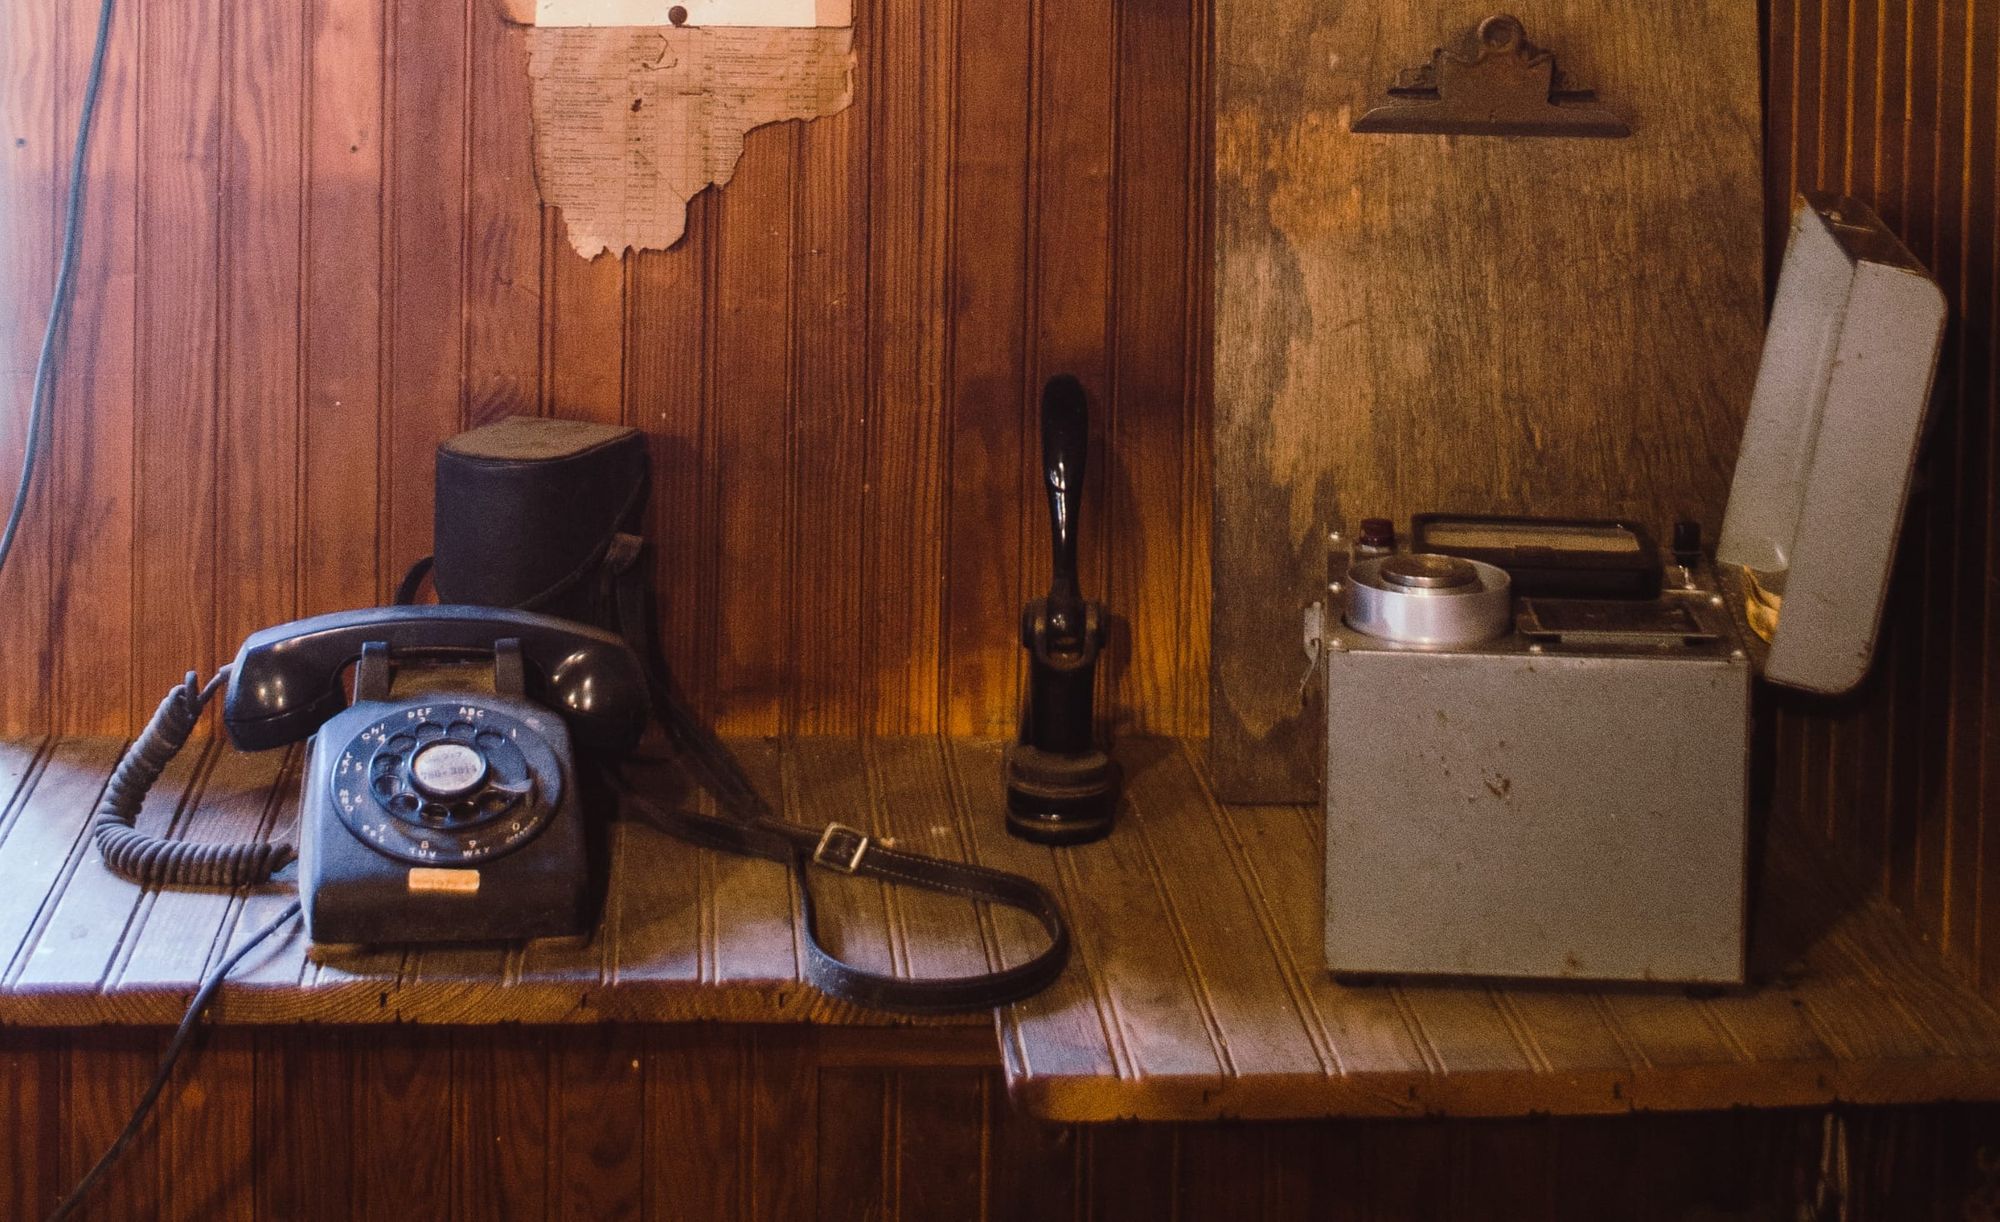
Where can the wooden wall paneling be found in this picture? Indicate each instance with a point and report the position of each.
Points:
(858, 1127)
(104, 1073)
(697, 1123)
(30, 1126)
(826, 501)
(30, 151)
(600, 1148)
(1983, 313)
(782, 1139)
(1506, 1170)
(666, 371)
(753, 413)
(1128, 1171)
(502, 307)
(941, 1143)
(200, 1113)
(90, 465)
(262, 271)
(1153, 440)
(988, 397)
(1368, 404)
(908, 462)
(1072, 319)
(400, 1107)
(501, 1083)
(1032, 1168)
(177, 429)
(1962, 434)
(583, 330)
(1212, 1163)
(341, 545)
(302, 1122)
(424, 200)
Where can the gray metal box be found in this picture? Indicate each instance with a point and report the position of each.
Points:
(1496, 812)
(1521, 808)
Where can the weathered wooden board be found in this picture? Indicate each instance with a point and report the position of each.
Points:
(1468, 323)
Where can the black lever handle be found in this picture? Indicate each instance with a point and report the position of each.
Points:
(1065, 449)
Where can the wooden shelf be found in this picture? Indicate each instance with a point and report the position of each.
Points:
(1196, 990)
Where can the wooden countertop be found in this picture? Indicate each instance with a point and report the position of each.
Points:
(1196, 990)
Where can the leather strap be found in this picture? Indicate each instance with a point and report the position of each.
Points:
(751, 828)
(845, 850)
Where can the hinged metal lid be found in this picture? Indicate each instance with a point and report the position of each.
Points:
(1824, 472)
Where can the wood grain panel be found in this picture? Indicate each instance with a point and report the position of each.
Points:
(313, 251)
(1896, 104)
(1468, 324)
(878, 1129)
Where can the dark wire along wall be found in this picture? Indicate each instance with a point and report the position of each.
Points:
(1898, 104)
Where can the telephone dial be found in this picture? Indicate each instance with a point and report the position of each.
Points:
(444, 802)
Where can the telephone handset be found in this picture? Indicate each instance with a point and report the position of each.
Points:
(442, 804)
(286, 681)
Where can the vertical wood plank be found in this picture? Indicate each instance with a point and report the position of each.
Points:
(338, 473)
(263, 181)
(500, 1086)
(827, 500)
(988, 389)
(910, 155)
(31, 1123)
(30, 152)
(207, 1135)
(697, 1120)
(600, 1125)
(303, 1123)
(752, 412)
(502, 306)
(668, 392)
(1149, 435)
(424, 207)
(89, 511)
(400, 1110)
(104, 1073)
(175, 576)
(781, 1138)
(941, 1160)
(858, 1128)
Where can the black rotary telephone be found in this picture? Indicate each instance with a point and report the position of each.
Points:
(444, 803)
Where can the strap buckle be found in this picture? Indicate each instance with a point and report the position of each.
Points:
(853, 862)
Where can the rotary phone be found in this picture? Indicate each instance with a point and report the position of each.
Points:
(444, 802)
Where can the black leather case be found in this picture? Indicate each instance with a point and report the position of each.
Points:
(527, 508)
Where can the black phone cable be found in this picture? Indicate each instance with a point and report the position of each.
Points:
(151, 860)
(45, 362)
(182, 1034)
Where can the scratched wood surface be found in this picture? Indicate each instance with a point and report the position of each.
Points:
(1470, 324)
(1196, 990)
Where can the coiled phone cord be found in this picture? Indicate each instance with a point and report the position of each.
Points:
(154, 860)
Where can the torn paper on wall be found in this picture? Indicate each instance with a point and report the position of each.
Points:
(631, 122)
(694, 12)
